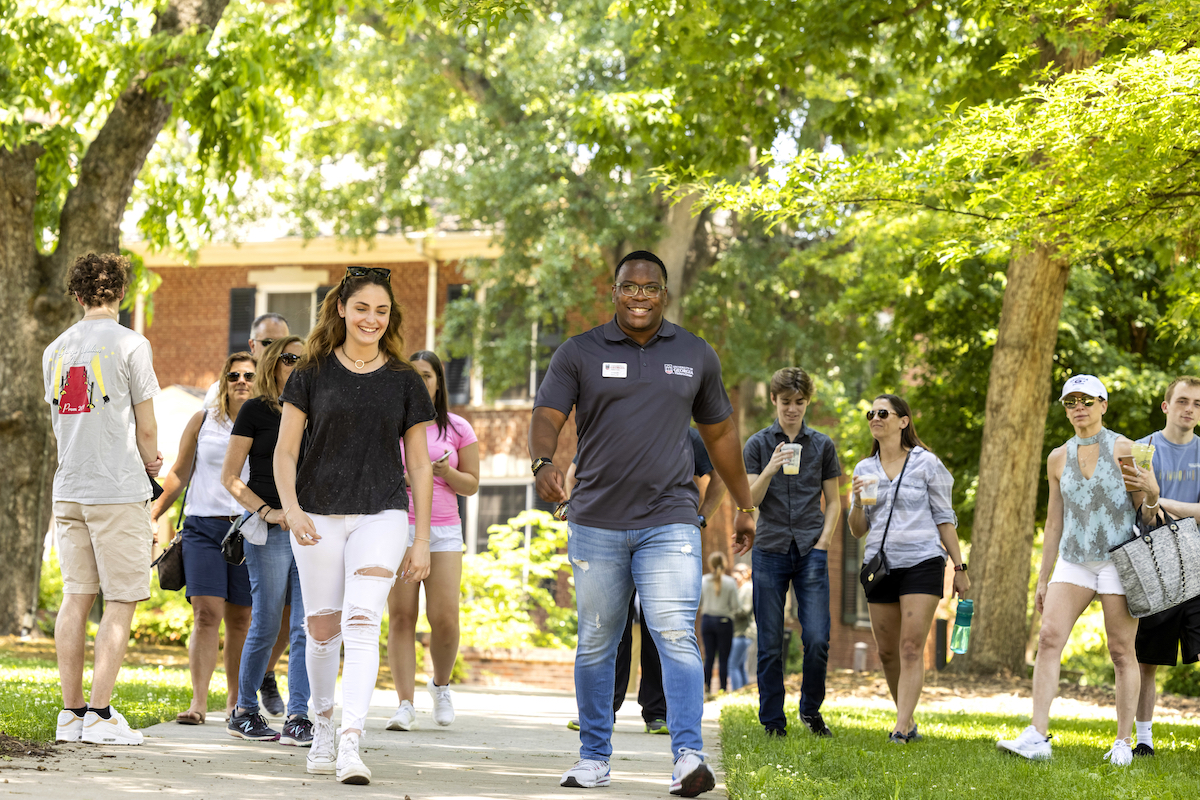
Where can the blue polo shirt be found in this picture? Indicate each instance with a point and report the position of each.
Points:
(790, 511)
(633, 407)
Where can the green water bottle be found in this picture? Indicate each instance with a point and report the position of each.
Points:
(962, 627)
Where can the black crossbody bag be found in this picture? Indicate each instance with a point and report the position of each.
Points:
(875, 570)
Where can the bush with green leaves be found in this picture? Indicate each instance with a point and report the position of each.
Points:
(509, 590)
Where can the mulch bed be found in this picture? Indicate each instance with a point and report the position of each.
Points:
(12, 747)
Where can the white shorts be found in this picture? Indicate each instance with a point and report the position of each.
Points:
(1099, 576)
(442, 538)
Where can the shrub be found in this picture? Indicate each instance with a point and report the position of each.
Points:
(1183, 679)
(508, 592)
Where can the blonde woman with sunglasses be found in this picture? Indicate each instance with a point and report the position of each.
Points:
(1090, 510)
(273, 574)
(217, 591)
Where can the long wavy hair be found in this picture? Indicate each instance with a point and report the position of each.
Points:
(908, 436)
(223, 384)
(265, 386)
(441, 404)
(330, 331)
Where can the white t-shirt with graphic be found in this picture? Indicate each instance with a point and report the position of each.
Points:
(94, 374)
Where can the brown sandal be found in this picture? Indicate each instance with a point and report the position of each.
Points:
(190, 717)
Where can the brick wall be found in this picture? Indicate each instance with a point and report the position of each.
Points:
(537, 667)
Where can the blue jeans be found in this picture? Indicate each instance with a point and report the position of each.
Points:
(773, 573)
(663, 563)
(737, 663)
(272, 573)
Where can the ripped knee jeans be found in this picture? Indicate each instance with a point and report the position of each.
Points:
(345, 578)
(663, 563)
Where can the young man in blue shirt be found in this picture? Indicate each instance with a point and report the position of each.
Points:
(791, 548)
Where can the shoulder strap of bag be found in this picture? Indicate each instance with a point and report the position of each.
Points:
(895, 497)
(183, 505)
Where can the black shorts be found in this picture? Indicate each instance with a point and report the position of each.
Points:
(1160, 636)
(928, 577)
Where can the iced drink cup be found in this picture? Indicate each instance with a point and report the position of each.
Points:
(792, 465)
(870, 490)
(1143, 455)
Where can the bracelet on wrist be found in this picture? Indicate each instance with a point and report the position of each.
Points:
(749, 510)
(1149, 506)
(419, 539)
(267, 506)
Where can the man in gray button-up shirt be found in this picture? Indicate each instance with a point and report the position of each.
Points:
(635, 384)
(792, 548)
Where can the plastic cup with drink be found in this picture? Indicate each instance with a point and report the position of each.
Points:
(1143, 455)
(868, 495)
(792, 465)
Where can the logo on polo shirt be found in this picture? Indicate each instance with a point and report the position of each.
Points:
(676, 369)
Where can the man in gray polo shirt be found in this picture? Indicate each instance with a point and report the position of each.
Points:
(791, 548)
(635, 384)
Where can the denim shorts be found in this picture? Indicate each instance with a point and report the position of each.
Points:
(204, 567)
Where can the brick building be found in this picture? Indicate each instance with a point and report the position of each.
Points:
(202, 313)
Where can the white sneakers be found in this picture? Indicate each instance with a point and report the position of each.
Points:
(443, 706)
(350, 766)
(1121, 754)
(692, 774)
(405, 718)
(586, 774)
(69, 727)
(321, 756)
(1030, 744)
(114, 730)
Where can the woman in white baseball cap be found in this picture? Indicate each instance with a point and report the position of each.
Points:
(1089, 511)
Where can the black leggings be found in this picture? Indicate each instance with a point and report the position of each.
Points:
(718, 639)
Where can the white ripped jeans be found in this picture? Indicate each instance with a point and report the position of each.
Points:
(332, 582)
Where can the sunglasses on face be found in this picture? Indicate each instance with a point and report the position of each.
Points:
(882, 413)
(1071, 402)
(369, 272)
(234, 377)
(291, 359)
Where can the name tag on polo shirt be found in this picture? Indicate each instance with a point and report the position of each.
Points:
(614, 370)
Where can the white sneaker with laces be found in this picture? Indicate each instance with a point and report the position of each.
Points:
(114, 730)
(443, 705)
(69, 727)
(586, 774)
(405, 718)
(1121, 754)
(1030, 744)
(692, 774)
(350, 766)
(321, 755)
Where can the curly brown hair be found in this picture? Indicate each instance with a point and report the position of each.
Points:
(98, 279)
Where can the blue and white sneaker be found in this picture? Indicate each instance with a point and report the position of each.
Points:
(586, 774)
(692, 774)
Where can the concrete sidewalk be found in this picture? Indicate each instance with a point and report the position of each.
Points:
(502, 745)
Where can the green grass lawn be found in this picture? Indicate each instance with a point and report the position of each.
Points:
(957, 758)
(30, 698)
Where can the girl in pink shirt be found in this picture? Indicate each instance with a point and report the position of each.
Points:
(454, 451)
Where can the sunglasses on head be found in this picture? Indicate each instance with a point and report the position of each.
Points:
(369, 272)
(882, 413)
(234, 377)
(1071, 402)
(291, 359)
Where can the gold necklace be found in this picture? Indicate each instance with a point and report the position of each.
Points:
(358, 362)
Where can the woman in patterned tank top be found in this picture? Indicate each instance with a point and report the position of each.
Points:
(1089, 511)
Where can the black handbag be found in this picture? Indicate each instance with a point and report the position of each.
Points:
(233, 546)
(876, 569)
(170, 566)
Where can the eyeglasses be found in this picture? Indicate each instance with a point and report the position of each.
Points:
(234, 377)
(291, 359)
(264, 342)
(882, 413)
(369, 272)
(1071, 402)
(650, 290)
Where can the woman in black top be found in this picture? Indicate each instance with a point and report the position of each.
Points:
(347, 503)
(268, 554)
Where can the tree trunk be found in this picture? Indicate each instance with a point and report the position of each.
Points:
(1019, 391)
(35, 308)
(679, 225)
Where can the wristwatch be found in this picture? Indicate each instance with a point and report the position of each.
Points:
(703, 521)
(961, 567)
(539, 463)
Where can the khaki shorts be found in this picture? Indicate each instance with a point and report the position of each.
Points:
(105, 548)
